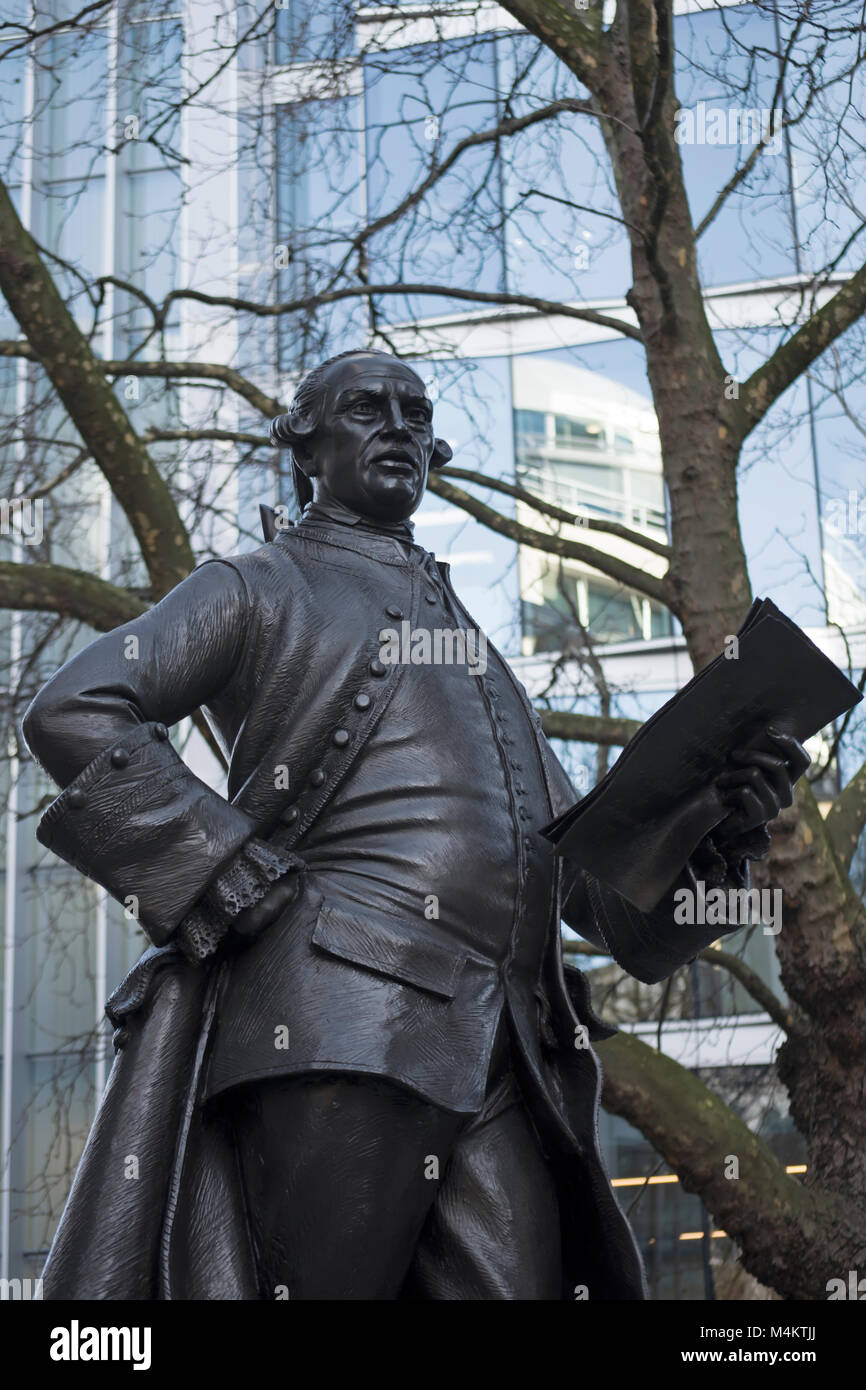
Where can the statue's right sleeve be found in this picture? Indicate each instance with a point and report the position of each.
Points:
(132, 815)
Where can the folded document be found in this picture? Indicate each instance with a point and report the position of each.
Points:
(636, 829)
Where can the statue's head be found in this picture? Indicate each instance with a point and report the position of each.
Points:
(360, 428)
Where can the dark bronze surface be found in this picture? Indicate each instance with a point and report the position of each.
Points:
(286, 1077)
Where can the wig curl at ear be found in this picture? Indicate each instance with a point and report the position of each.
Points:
(305, 412)
(442, 454)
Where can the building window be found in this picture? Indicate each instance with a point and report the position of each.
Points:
(530, 426)
(576, 604)
(307, 31)
(587, 433)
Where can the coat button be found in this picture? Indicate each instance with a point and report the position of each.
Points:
(317, 777)
(119, 757)
(429, 598)
(377, 667)
(340, 737)
(77, 799)
(362, 701)
(160, 731)
(290, 816)
(394, 610)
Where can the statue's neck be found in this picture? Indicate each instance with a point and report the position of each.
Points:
(331, 510)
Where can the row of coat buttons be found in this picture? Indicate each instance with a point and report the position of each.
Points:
(341, 737)
(517, 787)
(362, 701)
(392, 611)
(378, 668)
(119, 758)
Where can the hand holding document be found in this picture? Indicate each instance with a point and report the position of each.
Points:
(637, 828)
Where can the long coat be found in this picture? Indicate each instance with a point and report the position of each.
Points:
(276, 646)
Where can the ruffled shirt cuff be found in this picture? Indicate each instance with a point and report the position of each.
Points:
(243, 882)
(720, 862)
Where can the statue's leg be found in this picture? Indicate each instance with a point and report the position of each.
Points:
(339, 1174)
(494, 1232)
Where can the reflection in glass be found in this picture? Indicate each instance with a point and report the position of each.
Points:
(590, 446)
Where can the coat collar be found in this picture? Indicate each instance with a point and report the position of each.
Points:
(336, 525)
(335, 513)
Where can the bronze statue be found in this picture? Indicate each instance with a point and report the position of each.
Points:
(352, 1065)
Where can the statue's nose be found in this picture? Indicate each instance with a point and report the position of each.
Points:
(395, 422)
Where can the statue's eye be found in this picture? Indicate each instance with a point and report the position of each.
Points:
(363, 408)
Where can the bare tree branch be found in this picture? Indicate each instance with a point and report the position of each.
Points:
(847, 816)
(742, 172)
(791, 358)
(34, 35)
(767, 1211)
(509, 125)
(69, 592)
(610, 565)
(586, 523)
(497, 297)
(257, 441)
(79, 381)
(266, 405)
(724, 960)
(588, 728)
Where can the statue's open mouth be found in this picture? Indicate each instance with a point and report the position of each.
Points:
(397, 463)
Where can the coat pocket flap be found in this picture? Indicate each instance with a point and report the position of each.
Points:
(389, 947)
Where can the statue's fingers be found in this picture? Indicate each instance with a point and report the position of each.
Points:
(751, 798)
(774, 769)
(254, 919)
(791, 750)
(248, 922)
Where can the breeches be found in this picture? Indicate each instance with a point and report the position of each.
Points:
(356, 1189)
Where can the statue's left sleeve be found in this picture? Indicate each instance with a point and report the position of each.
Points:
(649, 945)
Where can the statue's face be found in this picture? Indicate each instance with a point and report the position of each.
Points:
(372, 448)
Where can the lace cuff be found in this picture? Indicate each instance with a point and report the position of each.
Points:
(243, 882)
(718, 862)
